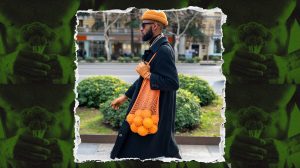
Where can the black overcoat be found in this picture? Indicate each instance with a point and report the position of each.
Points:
(164, 77)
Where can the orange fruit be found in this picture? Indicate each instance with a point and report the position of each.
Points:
(134, 128)
(153, 129)
(155, 119)
(147, 123)
(142, 131)
(130, 118)
(138, 121)
(146, 113)
(138, 113)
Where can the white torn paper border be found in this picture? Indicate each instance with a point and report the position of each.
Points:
(77, 140)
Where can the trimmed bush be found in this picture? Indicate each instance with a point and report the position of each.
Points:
(189, 60)
(187, 111)
(95, 90)
(136, 59)
(121, 59)
(111, 117)
(215, 58)
(196, 59)
(79, 58)
(181, 57)
(198, 87)
(127, 59)
(90, 59)
(101, 59)
(187, 114)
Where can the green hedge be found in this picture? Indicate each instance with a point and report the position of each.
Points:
(102, 90)
(215, 58)
(111, 117)
(95, 90)
(196, 59)
(189, 60)
(121, 59)
(90, 59)
(187, 115)
(101, 59)
(136, 59)
(198, 87)
(187, 111)
(124, 59)
(127, 59)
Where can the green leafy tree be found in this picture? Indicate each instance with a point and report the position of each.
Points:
(195, 33)
(134, 24)
(182, 20)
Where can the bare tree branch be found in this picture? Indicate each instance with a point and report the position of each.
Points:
(119, 15)
(189, 22)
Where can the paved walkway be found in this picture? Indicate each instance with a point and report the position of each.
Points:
(201, 153)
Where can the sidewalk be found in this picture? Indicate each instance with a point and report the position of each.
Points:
(201, 63)
(201, 153)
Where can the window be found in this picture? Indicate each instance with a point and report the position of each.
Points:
(217, 46)
(118, 25)
(203, 26)
(80, 23)
(218, 27)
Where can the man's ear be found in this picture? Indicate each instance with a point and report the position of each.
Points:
(156, 26)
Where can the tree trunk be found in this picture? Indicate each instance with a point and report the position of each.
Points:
(132, 32)
(106, 35)
(176, 47)
(107, 48)
(132, 40)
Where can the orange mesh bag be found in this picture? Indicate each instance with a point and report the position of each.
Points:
(144, 116)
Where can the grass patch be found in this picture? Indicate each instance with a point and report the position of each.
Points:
(210, 121)
(91, 121)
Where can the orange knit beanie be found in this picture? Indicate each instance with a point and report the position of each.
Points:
(155, 15)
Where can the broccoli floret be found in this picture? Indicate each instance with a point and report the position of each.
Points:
(38, 35)
(254, 35)
(253, 119)
(37, 119)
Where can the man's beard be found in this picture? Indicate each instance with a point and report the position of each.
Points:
(148, 36)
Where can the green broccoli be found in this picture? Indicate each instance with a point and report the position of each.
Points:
(38, 35)
(254, 35)
(38, 120)
(253, 119)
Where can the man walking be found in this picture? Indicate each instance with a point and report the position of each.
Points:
(163, 76)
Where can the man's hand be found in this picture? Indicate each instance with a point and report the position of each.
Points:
(115, 104)
(251, 152)
(248, 66)
(56, 151)
(31, 149)
(31, 65)
(294, 67)
(143, 69)
(248, 150)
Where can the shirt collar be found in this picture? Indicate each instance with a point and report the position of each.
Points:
(154, 48)
(152, 40)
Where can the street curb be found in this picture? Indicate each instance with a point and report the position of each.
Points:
(183, 140)
(117, 63)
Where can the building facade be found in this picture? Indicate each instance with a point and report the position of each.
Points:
(124, 32)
